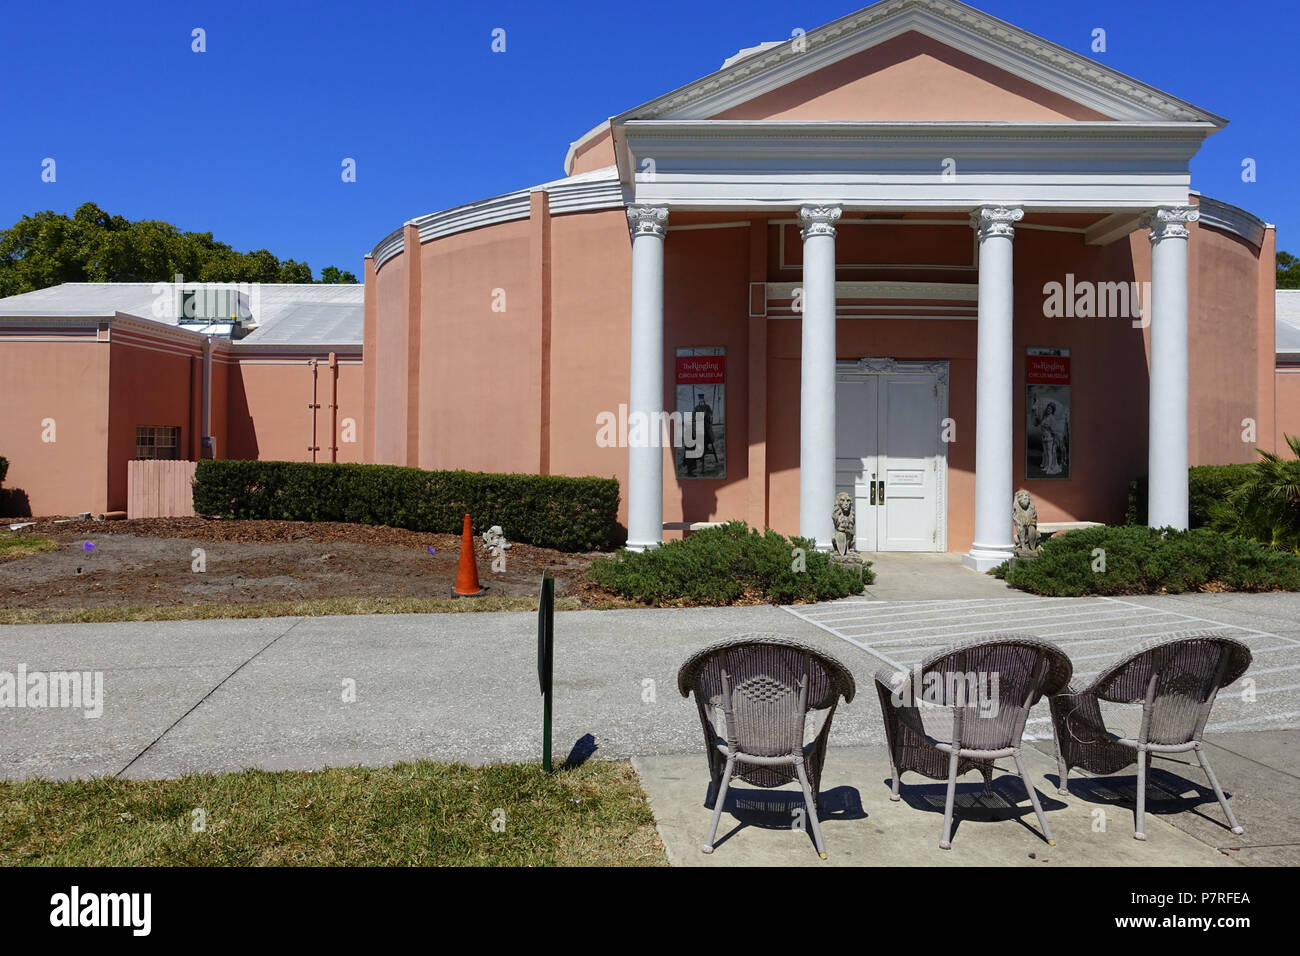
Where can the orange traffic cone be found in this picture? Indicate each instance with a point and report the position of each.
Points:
(467, 574)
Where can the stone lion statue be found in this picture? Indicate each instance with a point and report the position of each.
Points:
(1024, 517)
(845, 523)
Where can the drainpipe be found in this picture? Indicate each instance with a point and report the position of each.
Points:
(334, 407)
(209, 445)
(314, 406)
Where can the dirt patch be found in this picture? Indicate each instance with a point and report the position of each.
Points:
(152, 561)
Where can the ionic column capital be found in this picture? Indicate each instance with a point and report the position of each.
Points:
(819, 219)
(1170, 222)
(990, 221)
(648, 221)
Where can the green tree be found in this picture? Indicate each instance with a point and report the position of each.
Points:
(291, 271)
(1288, 271)
(46, 249)
(333, 274)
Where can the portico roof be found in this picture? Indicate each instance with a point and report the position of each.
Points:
(1000, 44)
(819, 118)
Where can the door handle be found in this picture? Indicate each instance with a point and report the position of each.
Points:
(873, 491)
(882, 492)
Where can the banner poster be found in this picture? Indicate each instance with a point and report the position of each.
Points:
(700, 450)
(1047, 414)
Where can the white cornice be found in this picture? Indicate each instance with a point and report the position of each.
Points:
(893, 165)
(1229, 218)
(599, 189)
(964, 28)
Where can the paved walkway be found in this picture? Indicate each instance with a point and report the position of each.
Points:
(228, 694)
(1093, 824)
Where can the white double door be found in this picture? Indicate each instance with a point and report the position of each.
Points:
(890, 453)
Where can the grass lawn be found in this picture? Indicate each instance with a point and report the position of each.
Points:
(15, 545)
(416, 814)
(316, 607)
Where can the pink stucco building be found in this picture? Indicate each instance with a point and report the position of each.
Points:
(93, 375)
(928, 257)
(917, 255)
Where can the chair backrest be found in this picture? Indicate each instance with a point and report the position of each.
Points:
(991, 683)
(765, 686)
(1176, 679)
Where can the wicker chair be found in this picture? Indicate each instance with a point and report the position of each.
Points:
(760, 700)
(1175, 679)
(987, 722)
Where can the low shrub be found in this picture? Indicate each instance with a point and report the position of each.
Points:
(728, 564)
(1206, 486)
(1141, 560)
(1265, 507)
(550, 511)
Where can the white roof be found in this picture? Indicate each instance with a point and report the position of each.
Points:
(1288, 320)
(282, 313)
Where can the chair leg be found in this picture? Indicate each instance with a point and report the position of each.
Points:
(1218, 791)
(812, 809)
(1033, 798)
(1140, 832)
(945, 842)
(718, 802)
(1062, 770)
(894, 781)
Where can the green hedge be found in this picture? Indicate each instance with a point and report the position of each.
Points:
(1206, 484)
(1141, 560)
(4, 469)
(568, 514)
(726, 564)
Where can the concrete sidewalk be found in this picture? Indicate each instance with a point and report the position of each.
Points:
(224, 695)
(1093, 826)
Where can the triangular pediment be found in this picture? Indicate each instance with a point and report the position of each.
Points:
(911, 78)
(919, 61)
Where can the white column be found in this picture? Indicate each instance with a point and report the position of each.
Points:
(817, 376)
(1167, 433)
(645, 475)
(994, 385)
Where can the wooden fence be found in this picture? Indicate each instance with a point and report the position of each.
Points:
(159, 489)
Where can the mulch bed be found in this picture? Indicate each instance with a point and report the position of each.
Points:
(147, 561)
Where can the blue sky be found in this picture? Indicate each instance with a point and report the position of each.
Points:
(246, 140)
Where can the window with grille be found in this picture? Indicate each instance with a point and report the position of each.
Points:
(158, 441)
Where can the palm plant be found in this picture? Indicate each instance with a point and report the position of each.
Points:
(1266, 506)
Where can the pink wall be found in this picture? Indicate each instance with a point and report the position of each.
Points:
(389, 357)
(1223, 347)
(1288, 408)
(596, 154)
(151, 383)
(466, 348)
(591, 277)
(66, 379)
(706, 303)
(911, 78)
(479, 368)
(269, 414)
(1109, 380)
